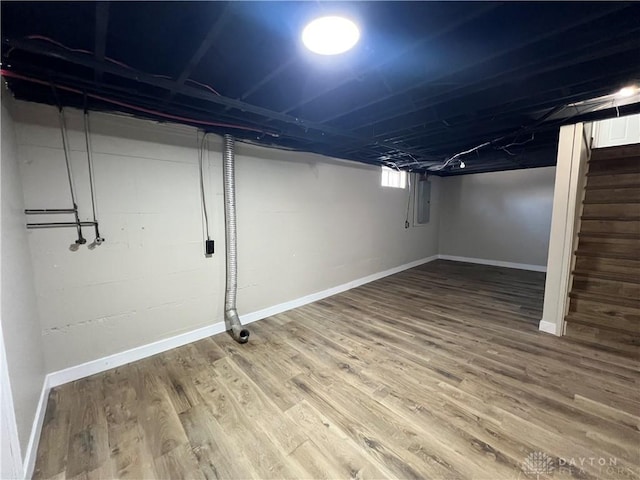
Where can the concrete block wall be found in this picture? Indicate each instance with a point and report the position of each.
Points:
(22, 347)
(306, 223)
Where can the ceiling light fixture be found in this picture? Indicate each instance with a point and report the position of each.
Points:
(330, 35)
(627, 91)
(462, 165)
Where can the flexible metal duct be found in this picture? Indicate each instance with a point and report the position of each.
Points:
(230, 313)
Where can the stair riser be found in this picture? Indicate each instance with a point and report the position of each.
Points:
(612, 195)
(605, 312)
(606, 287)
(630, 268)
(615, 166)
(592, 307)
(603, 241)
(614, 180)
(606, 226)
(619, 151)
(610, 239)
(611, 210)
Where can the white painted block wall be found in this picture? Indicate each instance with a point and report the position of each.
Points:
(20, 326)
(306, 223)
(498, 216)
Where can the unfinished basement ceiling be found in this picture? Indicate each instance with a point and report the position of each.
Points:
(426, 81)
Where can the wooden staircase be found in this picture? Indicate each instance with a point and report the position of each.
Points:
(604, 307)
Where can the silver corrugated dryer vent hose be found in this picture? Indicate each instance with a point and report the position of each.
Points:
(232, 321)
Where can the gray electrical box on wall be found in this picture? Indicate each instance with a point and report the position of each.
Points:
(423, 201)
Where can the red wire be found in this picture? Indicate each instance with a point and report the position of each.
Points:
(10, 74)
(61, 45)
(117, 62)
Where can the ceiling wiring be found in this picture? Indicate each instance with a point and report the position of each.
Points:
(388, 163)
(406, 219)
(10, 74)
(480, 102)
(494, 142)
(112, 60)
(553, 111)
(202, 190)
(516, 144)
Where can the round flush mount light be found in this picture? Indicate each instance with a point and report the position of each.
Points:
(330, 35)
(627, 91)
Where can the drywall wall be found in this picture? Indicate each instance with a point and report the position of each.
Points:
(498, 216)
(18, 314)
(306, 223)
(570, 179)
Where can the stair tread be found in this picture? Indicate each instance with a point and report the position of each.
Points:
(605, 298)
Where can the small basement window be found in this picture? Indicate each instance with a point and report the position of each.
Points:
(393, 178)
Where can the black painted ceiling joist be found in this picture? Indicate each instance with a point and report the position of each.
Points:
(459, 22)
(170, 85)
(204, 47)
(484, 84)
(493, 55)
(102, 23)
(428, 79)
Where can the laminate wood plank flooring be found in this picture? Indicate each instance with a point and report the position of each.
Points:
(437, 372)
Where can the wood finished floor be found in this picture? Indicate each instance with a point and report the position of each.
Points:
(436, 372)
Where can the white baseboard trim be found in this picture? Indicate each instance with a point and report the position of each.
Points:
(86, 369)
(314, 297)
(11, 462)
(138, 353)
(36, 430)
(92, 367)
(495, 263)
(548, 327)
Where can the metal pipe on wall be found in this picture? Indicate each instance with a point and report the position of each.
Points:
(48, 211)
(65, 145)
(98, 240)
(59, 224)
(232, 320)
